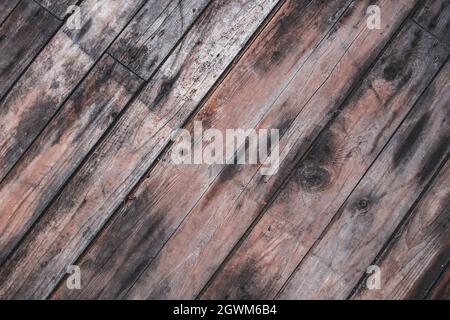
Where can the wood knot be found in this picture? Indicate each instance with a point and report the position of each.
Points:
(314, 179)
(362, 206)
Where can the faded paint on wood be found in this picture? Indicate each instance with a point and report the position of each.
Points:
(380, 201)
(124, 156)
(56, 71)
(22, 36)
(241, 101)
(154, 32)
(420, 250)
(44, 168)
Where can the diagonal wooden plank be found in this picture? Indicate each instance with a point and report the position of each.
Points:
(6, 7)
(30, 186)
(419, 251)
(22, 37)
(143, 44)
(57, 70)
(58, 7)
(240, 101)
(435, 17)
(223, 214)
(441, 290)
(380, 201)
(127, 152)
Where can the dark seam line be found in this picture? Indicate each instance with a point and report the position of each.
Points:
(398, 230)
(124, 66)
(438, 279)
(47, 10)
(441, 42)
(105, 134)
(10, 13)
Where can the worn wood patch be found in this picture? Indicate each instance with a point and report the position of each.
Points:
(58, 7)
(420, 250)
(441, 291)
(57, 70)
(131, 146)
(44, 168)
(380, 201)
(154, 32)
(146, 221)
(6, 7)
(435, 17)
(22, 36)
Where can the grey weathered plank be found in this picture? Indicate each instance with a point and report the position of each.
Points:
(144, 43)
(380, 201)
(420, 251)
(58, 7)
(321, 182)
(435, 17)
(141, 227)
(22, 36)
(66, 59)
(6, 7)
(124, 156)
(220, 218)
(41, 172)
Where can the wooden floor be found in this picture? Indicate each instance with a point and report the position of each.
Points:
(86, 178)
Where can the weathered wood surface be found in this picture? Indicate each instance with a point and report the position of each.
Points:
(441, 290)
(145, 42)
(135, 141)
(327, 174)
(241, 101)
(58, 7)
(420, 250)
(22, 36)
(233, 201)
(54, 156)
(435, 17)
(380, 201)
(6, 7)
(66, 59)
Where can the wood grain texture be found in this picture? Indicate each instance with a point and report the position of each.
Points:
(380, 201)
(141, 227)
(22, 36)
(57, 70)
(222, 215)
(434, 16)
(58, 7)
(154, 32)
(328, 173)
(441, 291)
(6, 7)
(124, 156)
(44, 168)
(420, 250)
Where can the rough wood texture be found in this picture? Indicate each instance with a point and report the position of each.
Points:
(42, 171)
(142, 226)
(420, 251)
(441, 291)
(131, 146)
(154, 32)
(211, 226)
(379, 202)
(435, 17)
(22, 36)
(6, 7)
(52, 76)
(58, 7)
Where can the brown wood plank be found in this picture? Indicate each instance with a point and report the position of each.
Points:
(330, 170)
(58, 7)
(223, 214)
(41, 172)
(241, 101)
(6, 7)
(441, 291)
(144, 43)
(127, 152)
(420, 250)
(380, 201)
(435, 17)
(22, 36)
(57, 70)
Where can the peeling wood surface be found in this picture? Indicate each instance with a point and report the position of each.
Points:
(86, 175)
